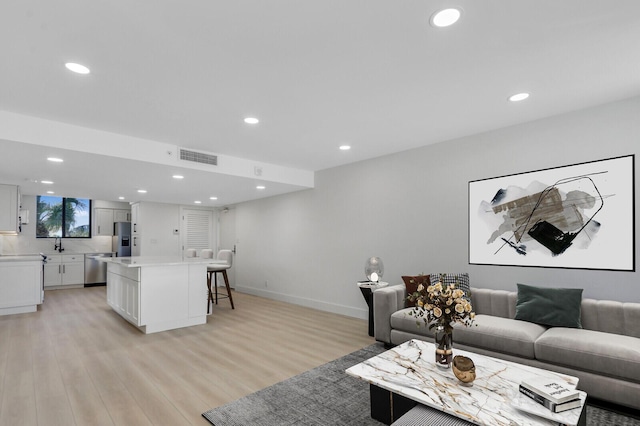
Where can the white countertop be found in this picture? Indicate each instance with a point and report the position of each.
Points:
(138, 261)
(21, 258)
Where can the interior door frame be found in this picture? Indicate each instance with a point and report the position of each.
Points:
(227, 239)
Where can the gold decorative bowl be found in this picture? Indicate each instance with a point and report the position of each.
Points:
(464, 369)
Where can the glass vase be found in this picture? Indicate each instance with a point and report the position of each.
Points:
(444, 346)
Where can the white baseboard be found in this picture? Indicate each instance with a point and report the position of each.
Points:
(322, 306)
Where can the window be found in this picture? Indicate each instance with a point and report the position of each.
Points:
(63, 217)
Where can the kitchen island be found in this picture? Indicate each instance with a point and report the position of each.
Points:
(158, 293)
(21, 284)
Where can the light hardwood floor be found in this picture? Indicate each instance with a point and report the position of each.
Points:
(75, 361)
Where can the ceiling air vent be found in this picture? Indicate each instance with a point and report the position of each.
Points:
(198, 157)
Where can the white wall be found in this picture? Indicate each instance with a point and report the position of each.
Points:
(156, 222)
(410, 209)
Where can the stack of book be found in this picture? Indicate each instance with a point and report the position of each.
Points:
(552, 393)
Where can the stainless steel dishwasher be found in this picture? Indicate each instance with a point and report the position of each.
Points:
(95, 271)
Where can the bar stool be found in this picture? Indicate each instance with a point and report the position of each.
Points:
(213, 270)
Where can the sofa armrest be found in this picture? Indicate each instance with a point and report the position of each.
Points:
(386, 301)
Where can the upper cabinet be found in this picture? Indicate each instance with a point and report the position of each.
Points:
(104, 222)
(104, 219)
(9, 206)
(122, 215)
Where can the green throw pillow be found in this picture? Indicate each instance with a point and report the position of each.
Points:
(555, 307)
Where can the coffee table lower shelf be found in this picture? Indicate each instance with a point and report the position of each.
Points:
(388, 407)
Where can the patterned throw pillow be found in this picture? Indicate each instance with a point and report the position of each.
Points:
(462, 281)
(412, 282)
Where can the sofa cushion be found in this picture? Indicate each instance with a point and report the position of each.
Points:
(460, 280)
(603, 353)
(401, 320)
(499, 334)
(611, 316)
(555, 307)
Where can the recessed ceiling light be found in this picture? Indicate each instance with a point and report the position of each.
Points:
(77, 68)
(46, 182)
(50, 192)
(213, 198)
(178, 177)
(518, 97)
(142, 191)
(260, 187)
(345, 147)
(251, 120)
(445, 17)
(197, 202)
(120, 198)
(55, 159)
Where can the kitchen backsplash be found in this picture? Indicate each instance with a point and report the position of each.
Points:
(29, 244)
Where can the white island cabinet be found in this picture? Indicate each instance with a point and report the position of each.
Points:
(158, 293)
(21, 284)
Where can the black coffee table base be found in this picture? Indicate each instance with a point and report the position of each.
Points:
(386, 406)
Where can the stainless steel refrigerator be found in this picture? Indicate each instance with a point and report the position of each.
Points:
(122, 239)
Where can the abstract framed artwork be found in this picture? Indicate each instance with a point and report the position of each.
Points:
(577, 216)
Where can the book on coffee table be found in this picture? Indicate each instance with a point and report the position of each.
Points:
(556, 408)
(551, 393)
(552, 389)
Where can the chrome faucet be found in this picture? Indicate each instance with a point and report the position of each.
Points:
(57, 246)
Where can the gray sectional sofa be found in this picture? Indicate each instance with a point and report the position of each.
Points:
(604, 354)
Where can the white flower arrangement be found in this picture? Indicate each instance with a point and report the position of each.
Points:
(442, 305)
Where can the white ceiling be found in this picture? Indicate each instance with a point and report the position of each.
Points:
(318, 74)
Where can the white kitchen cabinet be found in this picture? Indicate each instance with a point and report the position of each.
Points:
(20, 288)
(123, 292)
(64, 270)
(121, 215)
(135, 218)
(136, 244)
(72, 269)
(103, 219)
(52, 272)
(9, 206)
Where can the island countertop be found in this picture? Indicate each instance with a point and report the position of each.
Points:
(140, 261)
(23, 258)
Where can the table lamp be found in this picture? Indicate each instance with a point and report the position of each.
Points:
(374, 269)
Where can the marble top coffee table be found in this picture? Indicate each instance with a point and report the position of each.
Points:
(409, 372)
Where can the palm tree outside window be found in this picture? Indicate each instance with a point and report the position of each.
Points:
(63, 217)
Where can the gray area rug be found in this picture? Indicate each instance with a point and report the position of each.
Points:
(326, 396)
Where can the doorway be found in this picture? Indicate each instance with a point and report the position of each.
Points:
(197, 230)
